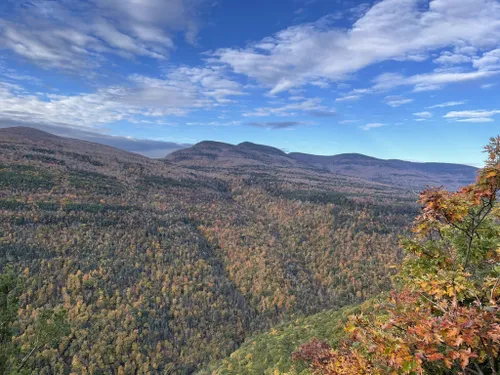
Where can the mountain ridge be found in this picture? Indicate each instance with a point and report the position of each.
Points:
(26, 130)
(297, 155)
(220, 157)
(374, 158)
(395, 172)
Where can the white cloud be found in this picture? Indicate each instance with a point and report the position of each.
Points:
(181, 91)
(400, 30)
(75, 34)
(424, 114)
(343, 86)
(488, 85)
(78, 111)
(347, 98)
(447, 104)
(396, 101)
(426, 87)
(359, 10)
(361, 91)
(312, 107)
(472, 116)
(476, 119)
(214, 123)
(490, 61)
(355, 94)
(148, 17)
(427, 81)
(12, 75)
(212, 80)
(448, 58)
(372, 126)
(460, 55)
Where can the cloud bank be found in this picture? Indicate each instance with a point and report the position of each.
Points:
(400, 30)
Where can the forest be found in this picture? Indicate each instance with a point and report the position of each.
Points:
(114, 263)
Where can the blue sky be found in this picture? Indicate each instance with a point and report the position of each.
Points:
(408, 79)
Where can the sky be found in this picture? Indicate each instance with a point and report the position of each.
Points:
(409, 79)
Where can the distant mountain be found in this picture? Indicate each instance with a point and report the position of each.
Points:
(403, 174)
(268, 167)
(394, 172)
(223, 155)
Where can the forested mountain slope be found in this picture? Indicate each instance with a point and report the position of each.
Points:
(215, 156)
(270, 352)
(164, 266)
(407, 174)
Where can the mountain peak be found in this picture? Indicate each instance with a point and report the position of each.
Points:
(212, 145)
(249, 146)
(211, 154)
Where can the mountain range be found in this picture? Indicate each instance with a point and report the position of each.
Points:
(405, 174)
(210, 155)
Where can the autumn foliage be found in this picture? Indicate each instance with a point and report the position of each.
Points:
(163, 269)
(443, 316)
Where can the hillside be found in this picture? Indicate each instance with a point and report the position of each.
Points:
(402, 173)
(165, 266)
(270, 352)
(221, 157)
